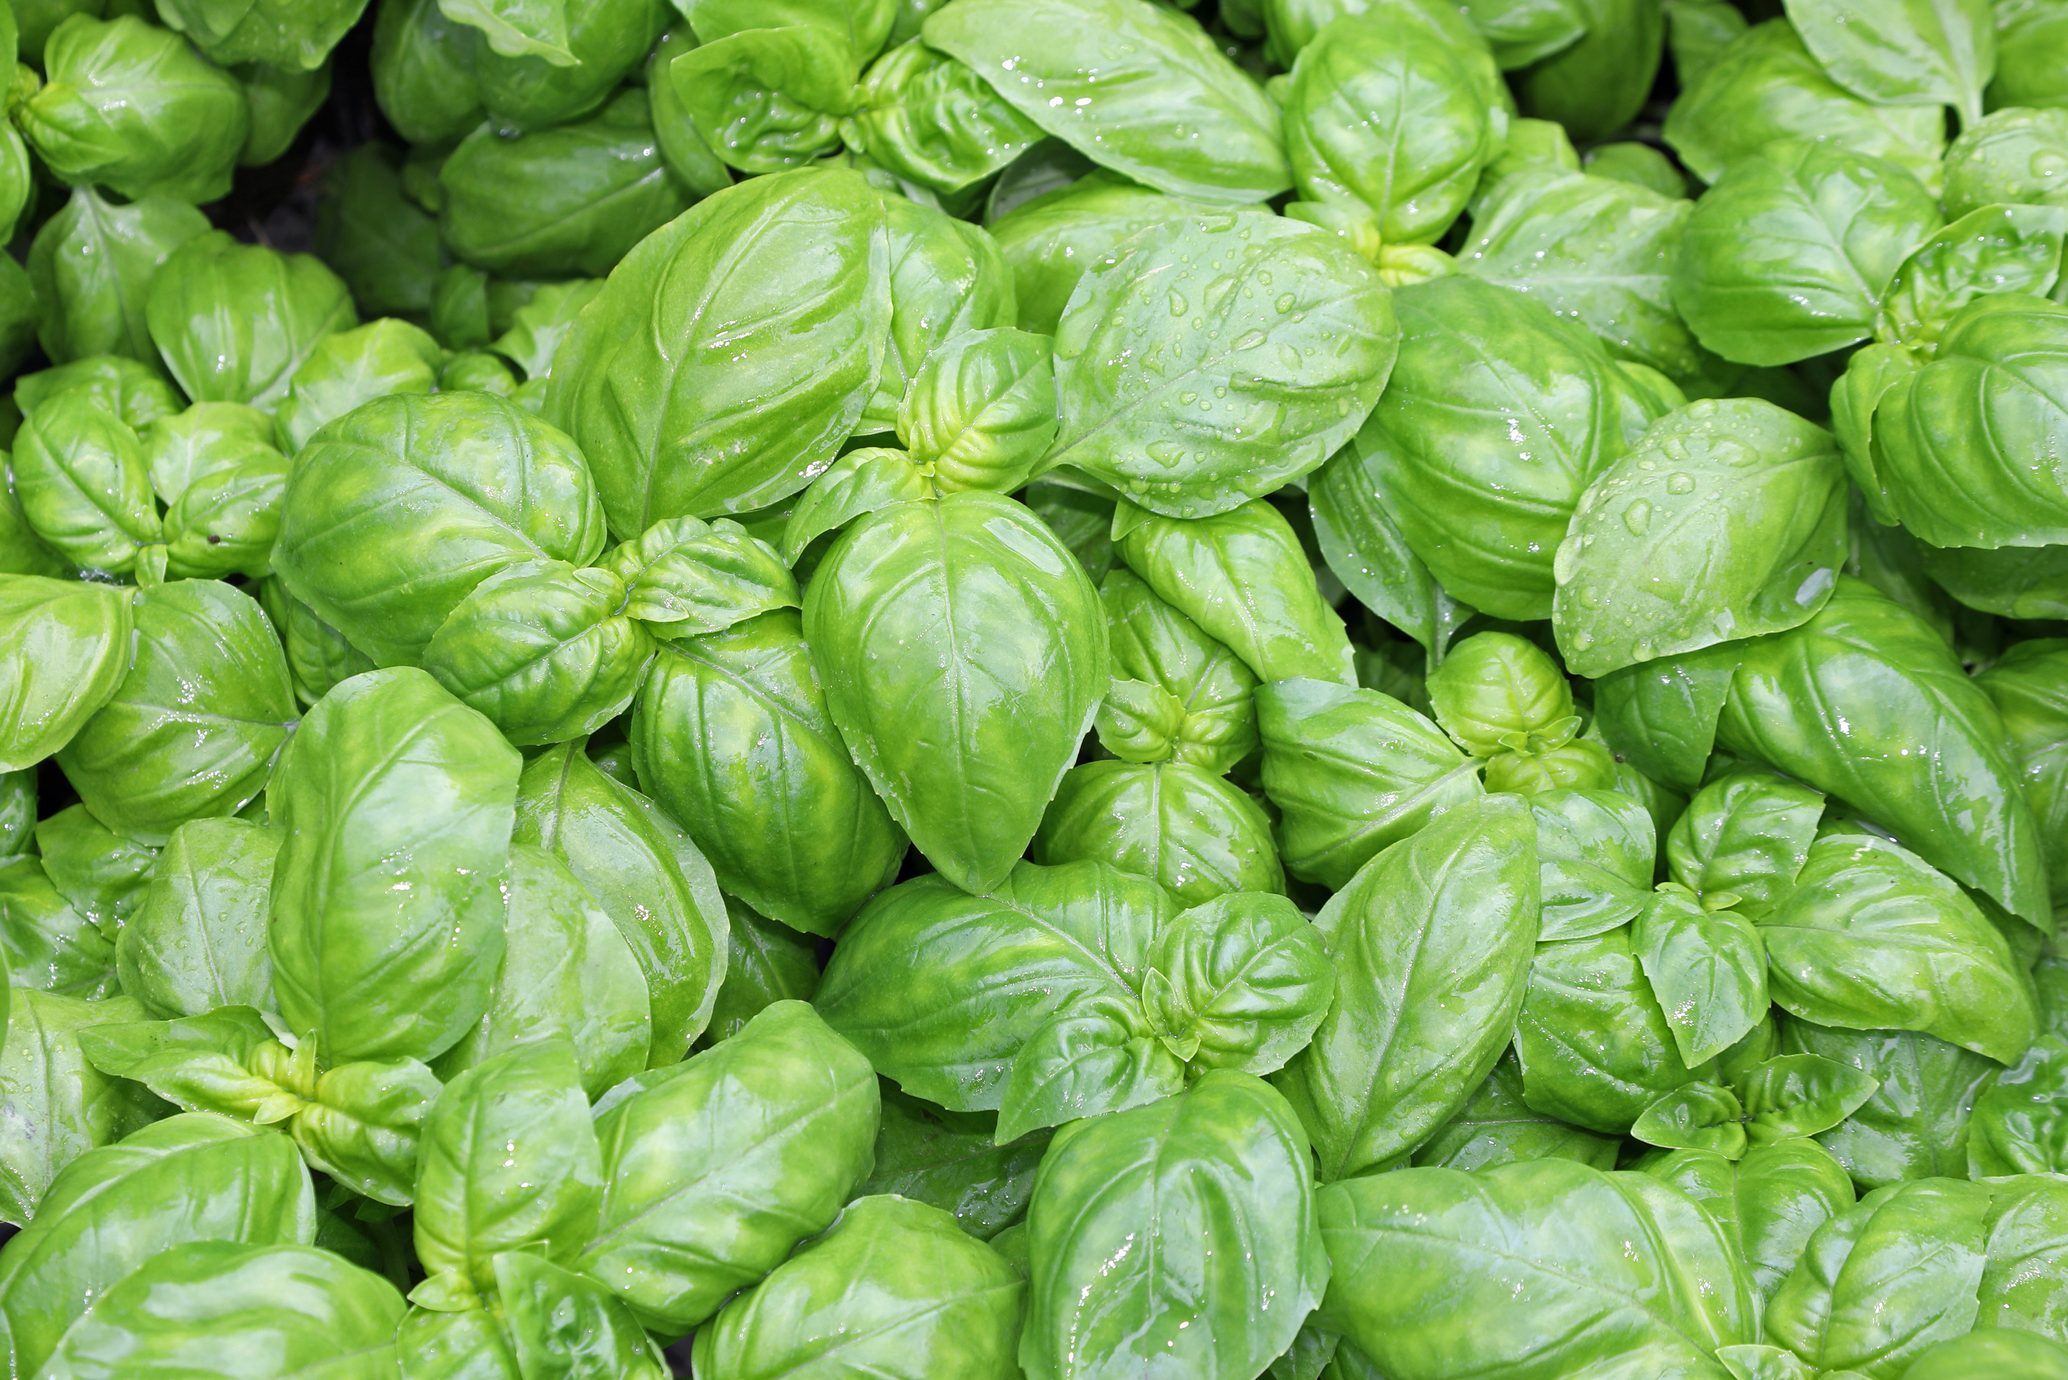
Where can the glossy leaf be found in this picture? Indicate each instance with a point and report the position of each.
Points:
(1217, 358)
(67, 646)
(508, 1163)
(198, 938)
(1585, 1268)
(1227, 1156)
(192, 730)
(731, 736)
(244, 1311)
(686, 431)
(713, 1169)
(1011, 649)
(1725, 520)
(362, 880)
(193, 1177)
(1104, 75)
(1432, 942)
(640, 867)
(1352, 771)
(1244, 579)
(1872, 938)
(893, 1285)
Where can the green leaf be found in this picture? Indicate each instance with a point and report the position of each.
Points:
(193, 729)
(1104, 76)
(1883, 1282)
(1802, 1094)
(509, 1163)
(1352, 771)
(1790, 254)
(49, 944)
(517, 28)
(1916, 1124)
(1764, 86)
(353, 367)
(1595, 1048)
(1767, 1202)
(241, 1311)
(2003, 158)
(767, 963)
(718, 281)
(1951, 440)
(66, 647)
(101, 872)
(1197, 834)
(766, 100)
(898, 1277)
(1243, 577)
(292, 34)
(1699, 1116)
(362, 1126)
(1228, 1156)
(55, 1104)
(227, 1062)
(1593, 248)
(1745, 835)
(1725, 520)
(934, 121)
(1706, 968)
(1997, 1353)
(863, 24)
(572, 199)
(234, 322)
(1867, 703)
(942, 989)
(373, 236)
(1494, 420)
(1051, 239)
(1595, 852)
(448, 490)
(2029, 686)
(713, 1169)
(92, 264)
(1620, 1271)
(1432, 942)
(561, 1321)
(685, 577)
(1362, 546)
(981, 409)
(545, 651)
(947, 278)
(387, 923)
(233, 1183)
(732, 737)
(640, 867)
(1217, 358)
(83, 484)
(1904, 52)
(566, 972)
(1241, 981)
(131, 107)
(1009, 666)
(1154, 644)
(1991, 250)
(1390, 117)
(1497, 691)
(951, 1160)
(1873, 938)
(1495, 1127)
